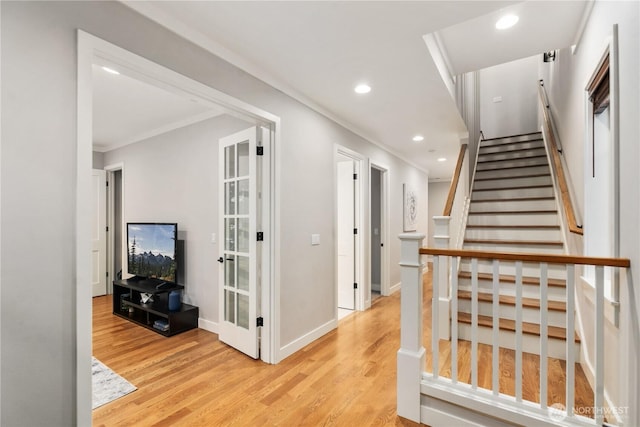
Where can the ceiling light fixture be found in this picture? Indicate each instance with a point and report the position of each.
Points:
(110, 70)
(507, 21)
(418, 138)
(363, 88)
(442, 159)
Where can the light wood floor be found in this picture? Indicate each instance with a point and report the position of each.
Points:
(348, 377)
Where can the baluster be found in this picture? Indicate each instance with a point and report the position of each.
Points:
(474, 323)
(518, 372)
(599, 362)
(543, 333)
(571, 357)
(454, 320)
(496, 329)
(435, 327)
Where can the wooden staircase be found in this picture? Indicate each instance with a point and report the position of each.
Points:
(513, 209)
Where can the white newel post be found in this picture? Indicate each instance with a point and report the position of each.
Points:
(442, 240)
(411, 356)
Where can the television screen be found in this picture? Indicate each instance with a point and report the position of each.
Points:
(151, 250)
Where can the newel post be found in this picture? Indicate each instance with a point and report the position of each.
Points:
(411, 356)
(442, 240)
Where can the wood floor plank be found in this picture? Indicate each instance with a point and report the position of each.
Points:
(347, 377)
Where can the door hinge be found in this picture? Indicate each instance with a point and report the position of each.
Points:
(355, 286)
(260, 236)
(260, 150)
(106, 183)
(107, 228)
(355, 231)
(259, 321)
(106, 274)
(355, 176)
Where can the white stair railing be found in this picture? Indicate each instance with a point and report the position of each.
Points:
(465, 401)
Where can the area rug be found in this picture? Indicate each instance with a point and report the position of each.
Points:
(107, 386)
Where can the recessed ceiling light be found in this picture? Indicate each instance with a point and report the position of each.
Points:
(363, 88)
(507, 21)
(432, 151)
(442, 159)
(110, 70)
(418, 138)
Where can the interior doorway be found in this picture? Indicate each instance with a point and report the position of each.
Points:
(378, 205)
(115, 242)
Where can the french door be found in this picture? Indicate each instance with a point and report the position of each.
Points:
(239, 213)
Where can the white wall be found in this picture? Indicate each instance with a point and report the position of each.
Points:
(516, 84)
(98, 160)
(38, 167)
(173, 177)
(566, 80)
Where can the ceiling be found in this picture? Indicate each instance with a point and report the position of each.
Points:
(318, 51)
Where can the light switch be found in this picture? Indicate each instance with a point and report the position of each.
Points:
(315, 239)
(375, 231)
(213, 238)
(497, 99)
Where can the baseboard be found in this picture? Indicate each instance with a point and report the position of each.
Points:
(395, 288)
(306, 339)
(208, 325)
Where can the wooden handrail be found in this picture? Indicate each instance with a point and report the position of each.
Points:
(448, 207)
(527, 257)
(555, 157)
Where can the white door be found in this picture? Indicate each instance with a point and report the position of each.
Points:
(346, 235)
(99, 233)
(238, 290)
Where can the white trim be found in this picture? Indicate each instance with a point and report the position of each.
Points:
(208, 325)
(441, 61)
(306, 339)
(586, 13)
(395, 288)
(1, 204)
(89, 49)
(178, 27)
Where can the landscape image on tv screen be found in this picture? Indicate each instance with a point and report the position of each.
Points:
(151, 250)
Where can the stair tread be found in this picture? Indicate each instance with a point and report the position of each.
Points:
(523, 227)
(538, 175)
(513, 159)
(510, 325)
(507, 168)
(515, 136)
(511, 300)
(524, 187)
(528, 212)
(513, 199)
(539, 147)
(515, 242)
(507, 278)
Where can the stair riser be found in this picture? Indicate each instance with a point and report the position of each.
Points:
(512, 205)
(510, 173)
(512, 182)
(513, 164)
(554, 293)
(539, 249)
(506, 148)
(553, 235)
(508, 268)
(530, 343)
(510, 139)
(510, 194)
(504, 155)
(514, 219)
(529, 314)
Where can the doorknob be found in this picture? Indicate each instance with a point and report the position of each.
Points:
(220, 260)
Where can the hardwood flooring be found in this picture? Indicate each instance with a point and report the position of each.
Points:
(348, 377)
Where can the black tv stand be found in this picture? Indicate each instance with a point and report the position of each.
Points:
(127, 303)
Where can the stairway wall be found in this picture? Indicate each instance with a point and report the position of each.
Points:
(516, 84)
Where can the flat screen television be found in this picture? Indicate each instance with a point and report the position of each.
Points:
(151, 250)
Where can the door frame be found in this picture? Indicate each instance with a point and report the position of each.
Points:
(385, 286)
(361, 276)
(90, 50)
(111, 263)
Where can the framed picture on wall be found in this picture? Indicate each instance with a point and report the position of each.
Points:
(410, 206)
